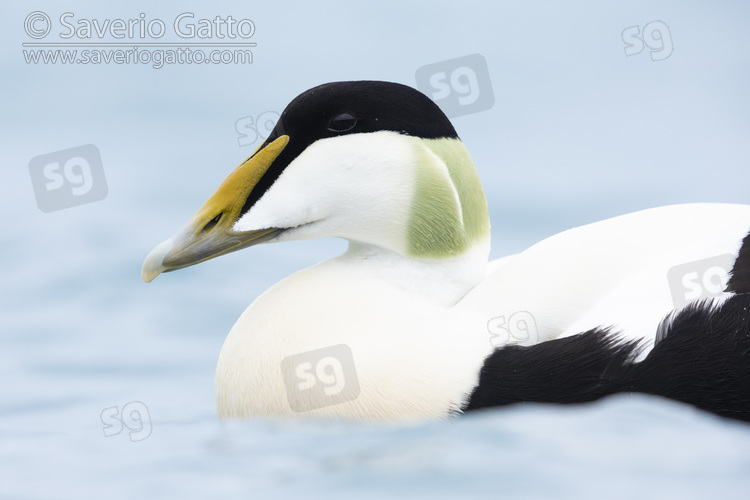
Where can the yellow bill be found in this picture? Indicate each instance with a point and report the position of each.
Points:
(209, 233)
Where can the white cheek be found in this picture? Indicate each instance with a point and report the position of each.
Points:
(286, 204)
(345, 186)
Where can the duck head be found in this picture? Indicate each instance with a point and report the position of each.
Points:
(372, 162)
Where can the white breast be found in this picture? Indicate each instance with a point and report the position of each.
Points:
(412, 358)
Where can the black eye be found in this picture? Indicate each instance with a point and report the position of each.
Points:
(342, 123)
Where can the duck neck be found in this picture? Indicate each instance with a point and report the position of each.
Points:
(447, 231)
(442, 281)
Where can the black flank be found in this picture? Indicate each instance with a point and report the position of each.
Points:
(740, 275)
(568, 370)
(701, 357)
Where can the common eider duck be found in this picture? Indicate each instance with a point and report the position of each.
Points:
(412, 321)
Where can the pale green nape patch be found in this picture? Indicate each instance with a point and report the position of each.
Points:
(438, 226)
